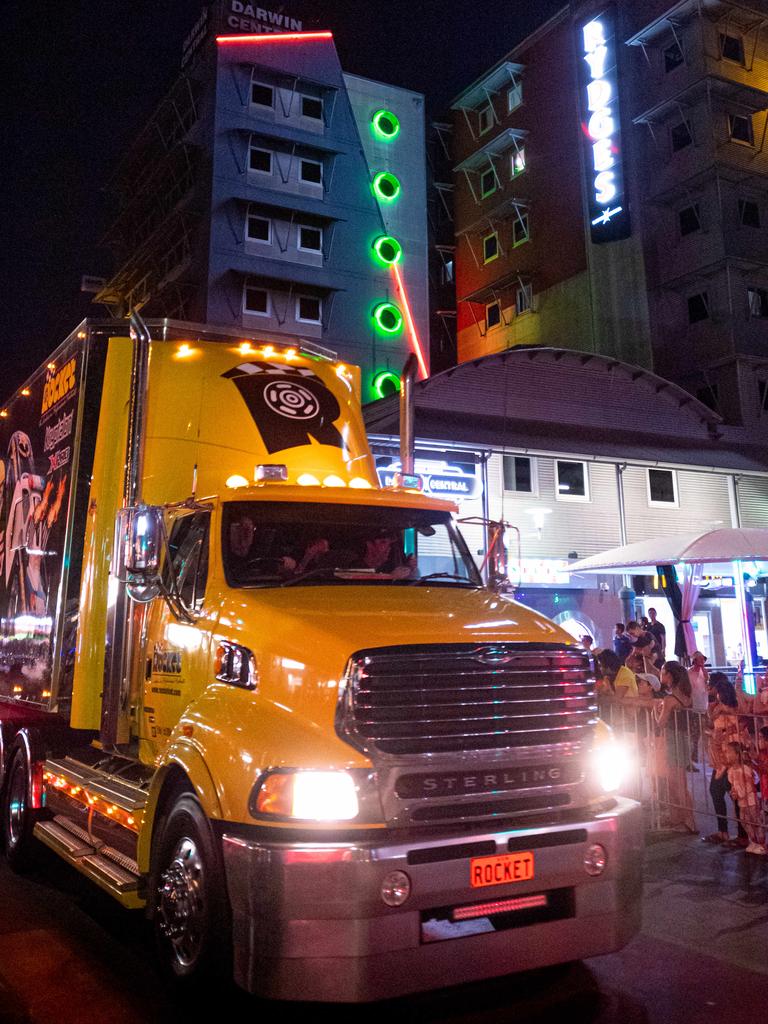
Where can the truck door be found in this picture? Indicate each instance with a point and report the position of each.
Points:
(178, 630)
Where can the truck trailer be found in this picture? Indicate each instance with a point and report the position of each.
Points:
(274, 706)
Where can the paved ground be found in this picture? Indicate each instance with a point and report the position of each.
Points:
(68, 955)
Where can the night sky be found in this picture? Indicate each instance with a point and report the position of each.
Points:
(82, 76)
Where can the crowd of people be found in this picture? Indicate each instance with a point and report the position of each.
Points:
(697, 717)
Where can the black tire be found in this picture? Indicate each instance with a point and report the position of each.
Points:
(16, 813)
(189, 904)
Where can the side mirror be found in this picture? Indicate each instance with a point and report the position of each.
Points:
(498, 566)
(139, 544)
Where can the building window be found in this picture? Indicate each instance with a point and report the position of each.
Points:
(517, 162)
(680, 136)
(519, 474)
(260, 160)
(487, 183)
(309, 309)
(762, 395)
(514, 96)
(524, 299)
(690, 220)
(732, 47)
(485, 119)
(758, 302)
(490, 247)
(311, 171)
(492, 315)
(662, 487)
(749, 213)
(520, 232)
(262, 95)
(310, 239)
(312, 106)
(698, 307)
(258, 229)
(571, 481)
(256, 300)
(673, 57)
(740, 129)
(446, 272)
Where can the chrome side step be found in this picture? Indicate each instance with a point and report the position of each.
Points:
(113, 871)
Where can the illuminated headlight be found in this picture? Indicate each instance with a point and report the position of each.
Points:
(611, 763)
(306, 795)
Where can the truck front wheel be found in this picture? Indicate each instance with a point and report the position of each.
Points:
(190, 914)
(16, 810)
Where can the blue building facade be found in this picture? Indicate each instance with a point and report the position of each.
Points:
(296, 201)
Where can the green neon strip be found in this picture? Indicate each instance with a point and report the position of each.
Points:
(386, 187)
(388, 318)
(385, 383)
(388, 250)
(385, 124)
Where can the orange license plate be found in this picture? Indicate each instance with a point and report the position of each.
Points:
(509, 867)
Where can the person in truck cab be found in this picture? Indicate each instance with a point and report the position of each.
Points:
(381, 555)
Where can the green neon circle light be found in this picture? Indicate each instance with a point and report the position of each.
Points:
(385, 124)
(388, 249)
(388, 318)
(386, 187)
(385, 383)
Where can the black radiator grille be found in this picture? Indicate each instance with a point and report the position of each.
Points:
(442, 698)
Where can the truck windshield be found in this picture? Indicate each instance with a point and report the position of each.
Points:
(281, 544)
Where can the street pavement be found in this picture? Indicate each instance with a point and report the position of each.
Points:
(69, 955)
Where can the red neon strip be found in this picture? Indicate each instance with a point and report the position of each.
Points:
(411, 325)
(499, 907)
(274, 37)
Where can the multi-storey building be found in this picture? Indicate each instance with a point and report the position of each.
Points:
(272, 192)
(611, 187)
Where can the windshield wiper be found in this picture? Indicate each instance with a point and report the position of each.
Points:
(444, 576)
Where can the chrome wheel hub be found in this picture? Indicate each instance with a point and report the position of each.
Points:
(181, 902)
(17, 806)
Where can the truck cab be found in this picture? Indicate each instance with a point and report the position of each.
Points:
(299, 729)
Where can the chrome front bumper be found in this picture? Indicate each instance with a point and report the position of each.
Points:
(309, 922)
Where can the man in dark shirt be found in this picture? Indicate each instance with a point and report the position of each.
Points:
(659, 633)
(622, 643)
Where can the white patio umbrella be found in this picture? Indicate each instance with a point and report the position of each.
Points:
(734, 545)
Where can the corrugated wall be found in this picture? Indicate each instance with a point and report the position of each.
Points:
(702, 500)
(584, 527)
(753, 501)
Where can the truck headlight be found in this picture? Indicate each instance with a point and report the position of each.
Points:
(305, 795)
(611, 764)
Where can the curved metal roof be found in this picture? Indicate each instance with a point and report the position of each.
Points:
(557, 400)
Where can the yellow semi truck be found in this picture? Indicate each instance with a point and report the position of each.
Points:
(245, 689)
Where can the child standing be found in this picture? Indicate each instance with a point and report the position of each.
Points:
(744, 791)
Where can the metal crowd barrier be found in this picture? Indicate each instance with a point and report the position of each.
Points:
(671, 769)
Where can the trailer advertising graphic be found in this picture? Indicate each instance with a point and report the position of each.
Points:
(37, 434)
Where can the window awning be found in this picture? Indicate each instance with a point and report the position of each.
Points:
(505, 73)
(510, 138)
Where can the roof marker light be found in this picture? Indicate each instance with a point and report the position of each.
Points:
(308, 480)
(236, 481)
(184, 351)
(359, 483)
(275, 37)
(246, 348)
(334, 481)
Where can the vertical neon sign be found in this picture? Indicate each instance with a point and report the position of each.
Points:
(601, 127)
